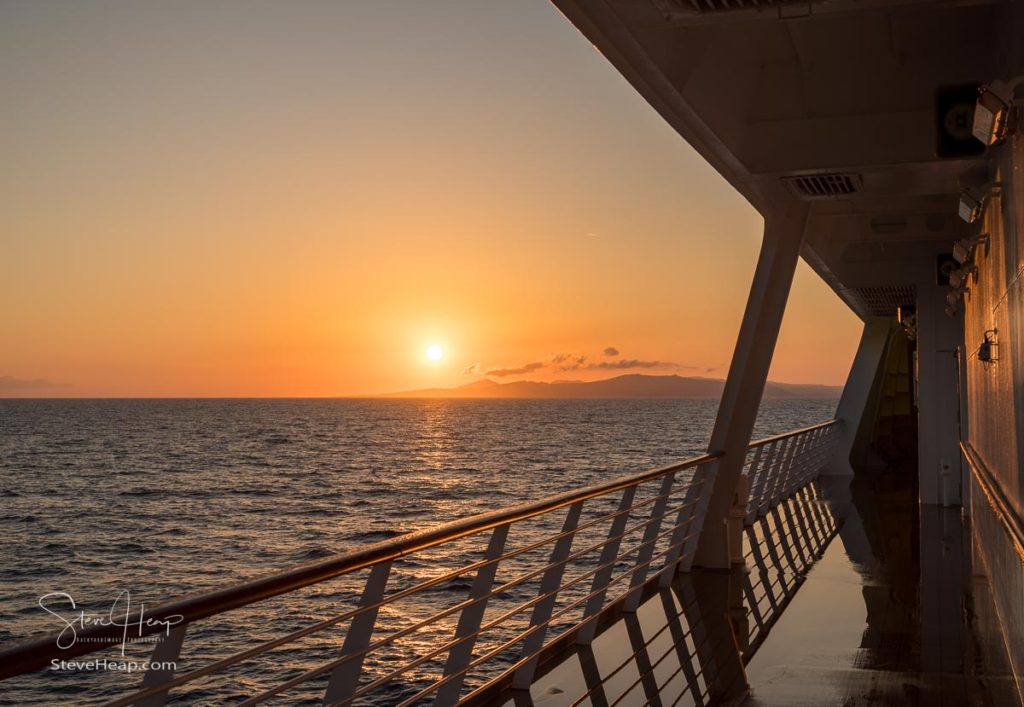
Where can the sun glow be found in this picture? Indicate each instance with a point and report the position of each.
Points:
(434, 353)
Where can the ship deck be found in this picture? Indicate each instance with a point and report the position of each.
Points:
(836, 604)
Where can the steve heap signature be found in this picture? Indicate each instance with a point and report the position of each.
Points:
(73, 619)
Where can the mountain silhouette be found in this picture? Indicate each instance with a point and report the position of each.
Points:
(626, 386)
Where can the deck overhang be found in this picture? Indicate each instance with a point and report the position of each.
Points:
(778, 92)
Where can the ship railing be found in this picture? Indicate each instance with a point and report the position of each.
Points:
(777, 466)
(445, 614)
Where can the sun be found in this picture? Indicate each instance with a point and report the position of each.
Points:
(434, 353)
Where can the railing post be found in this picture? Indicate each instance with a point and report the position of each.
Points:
(345, 677)
(549, 585)
(470, 618)
(609, 552)
(165, 651)
(646, 549)
(701, 482)
(737, 517)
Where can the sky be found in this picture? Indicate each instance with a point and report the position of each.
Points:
(299, 199)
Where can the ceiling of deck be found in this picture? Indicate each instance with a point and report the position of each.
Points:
(772, 92)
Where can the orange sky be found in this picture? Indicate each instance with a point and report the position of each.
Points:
(297, 198)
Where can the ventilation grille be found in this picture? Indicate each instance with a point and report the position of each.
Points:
(824, 186)
(882, 301)
(673, 9)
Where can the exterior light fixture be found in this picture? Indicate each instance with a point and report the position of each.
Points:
(963, 249)
(971, 206)
(995, 112)
(973, 201)
(986, 354)
(958, 278)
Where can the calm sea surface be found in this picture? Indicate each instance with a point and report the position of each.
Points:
(167, 497)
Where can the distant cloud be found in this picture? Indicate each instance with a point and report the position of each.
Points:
(471, 370)
(563, 362)
(12, 384)
(502, 372)
(568, 362)
(633, 363)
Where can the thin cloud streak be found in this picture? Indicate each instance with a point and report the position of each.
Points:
(12, 384)
(566, 362)
(502, 372)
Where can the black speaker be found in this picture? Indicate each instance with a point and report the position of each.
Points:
(954, 115)
(944, 265)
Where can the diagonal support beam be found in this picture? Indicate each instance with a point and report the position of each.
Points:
(748, 372)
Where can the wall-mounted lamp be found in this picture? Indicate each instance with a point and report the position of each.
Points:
(953, 297)
(986, 352)
(995, 114)
(963, 249)
(958, 278)
(973, 201)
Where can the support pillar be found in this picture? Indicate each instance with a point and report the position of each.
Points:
(857, 391)
(938, 425)
(748, 372)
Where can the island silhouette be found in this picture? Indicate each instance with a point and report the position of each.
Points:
(633, 385)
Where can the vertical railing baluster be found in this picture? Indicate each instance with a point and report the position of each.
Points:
(754, 475)
(796, 475)
(599, 587)
(549, 585)
(345, 677)
(787, 469)
(776, 472)
(758, 491)
(801, 462)
(688, 511)
(470, 618)
(813, 456)
(646, 549)
(165, 651)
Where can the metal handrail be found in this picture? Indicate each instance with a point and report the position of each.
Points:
(31, 655)
(997, 501)
(803, 430)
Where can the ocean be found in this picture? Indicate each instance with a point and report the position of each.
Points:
(165, 498)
